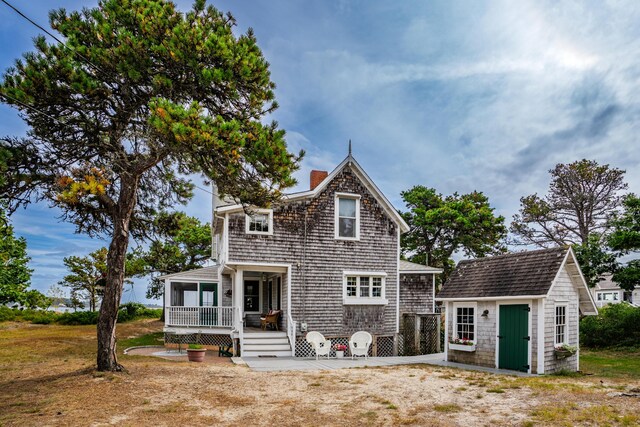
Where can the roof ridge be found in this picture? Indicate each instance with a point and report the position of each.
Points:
(523, 252)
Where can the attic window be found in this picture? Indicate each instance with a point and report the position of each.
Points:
(260, 222)
(347, 224)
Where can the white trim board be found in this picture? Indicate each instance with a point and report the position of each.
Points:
(503, 298)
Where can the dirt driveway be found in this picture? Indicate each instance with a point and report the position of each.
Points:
(47, 378)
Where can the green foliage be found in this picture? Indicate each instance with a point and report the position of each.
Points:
(440, 226)
(180, 243)
(195, 347)
(7, 314)
(616, 325)
(87, 275)
(582, 195)
(625, 238)
(128, 312)
(133, 310)
(15, 274)
(595, 259)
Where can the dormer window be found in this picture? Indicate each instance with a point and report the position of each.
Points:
(260, 222)
(347, 225)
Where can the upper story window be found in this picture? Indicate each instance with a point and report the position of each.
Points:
(347, 221)
(259, 222)
(365, 288)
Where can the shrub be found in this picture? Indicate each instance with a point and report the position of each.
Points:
(7, 313)
(617, 325)
(79, 318)
(135, 310)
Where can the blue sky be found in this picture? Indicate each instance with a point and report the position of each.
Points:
(459, 96)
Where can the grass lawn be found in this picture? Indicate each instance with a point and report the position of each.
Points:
(611, 363)
(47, 377)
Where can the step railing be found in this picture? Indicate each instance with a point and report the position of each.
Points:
(212, 317)
(291, 333)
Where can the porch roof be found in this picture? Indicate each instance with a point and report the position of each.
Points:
(408, 267)
(203, 273)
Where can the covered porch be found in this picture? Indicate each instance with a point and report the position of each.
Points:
(231, 300)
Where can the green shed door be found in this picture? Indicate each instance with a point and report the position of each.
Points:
(514, 337)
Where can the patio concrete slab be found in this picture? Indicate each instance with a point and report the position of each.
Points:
(265, 364)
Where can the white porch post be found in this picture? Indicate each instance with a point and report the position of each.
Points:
(167, 301)
(238, 295)
(447, 308)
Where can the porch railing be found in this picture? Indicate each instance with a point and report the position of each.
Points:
(211, 317)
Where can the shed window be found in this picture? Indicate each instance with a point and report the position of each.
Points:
(347, 217)
(465, 323)
(561, 324)
(364, 288)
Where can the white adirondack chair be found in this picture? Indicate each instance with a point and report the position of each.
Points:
(359, 344)
(320, 345)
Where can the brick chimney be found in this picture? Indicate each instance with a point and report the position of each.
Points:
(317, 177)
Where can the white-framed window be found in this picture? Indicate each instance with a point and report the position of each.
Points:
(364, 288)
(259, 222)
(464, 321)
(561, 324)
(608, 296)
(347, 220)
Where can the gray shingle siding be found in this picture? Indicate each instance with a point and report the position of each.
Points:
(416, 293)
(318, 259)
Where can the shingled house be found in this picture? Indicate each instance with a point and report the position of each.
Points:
(516, 311)
(326, 259)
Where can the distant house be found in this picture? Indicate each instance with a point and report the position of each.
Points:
(609, 292)
(326, 259)
(512, 311)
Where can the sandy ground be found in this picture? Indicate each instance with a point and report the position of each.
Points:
(58, 386)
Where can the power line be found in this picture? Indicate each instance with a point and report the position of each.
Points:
(47, 32)
(31, 107)
(200, 188)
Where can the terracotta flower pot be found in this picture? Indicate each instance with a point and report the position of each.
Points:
(196, 354)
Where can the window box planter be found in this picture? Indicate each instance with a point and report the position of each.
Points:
(563, 354)
(462, 347)
(563, 351)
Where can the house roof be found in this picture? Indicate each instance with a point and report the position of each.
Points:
(607, 283)
(360, 173)
(528, 273)
(408, 267)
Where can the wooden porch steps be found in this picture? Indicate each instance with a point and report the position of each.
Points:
(266, 343)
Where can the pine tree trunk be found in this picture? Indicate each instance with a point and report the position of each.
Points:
(107, 358)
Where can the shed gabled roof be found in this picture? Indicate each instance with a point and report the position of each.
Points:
(528, 273)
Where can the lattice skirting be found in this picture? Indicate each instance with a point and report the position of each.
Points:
(195, 338)
(382, 346)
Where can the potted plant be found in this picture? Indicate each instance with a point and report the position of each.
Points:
(562, 351)
(340, 349)
(196, 352)
(462, 344)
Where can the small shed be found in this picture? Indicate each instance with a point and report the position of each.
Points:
(518, 311)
